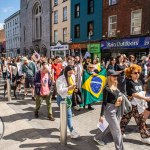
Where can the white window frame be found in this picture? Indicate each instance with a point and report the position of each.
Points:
(132, 32)
(65, 13)
(111, 35)
(55, 37)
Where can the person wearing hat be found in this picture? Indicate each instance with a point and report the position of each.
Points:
(29, 69)
(111, 102)
(43, 81)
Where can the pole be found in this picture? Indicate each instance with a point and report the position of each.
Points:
(8, 90)
(63, 123)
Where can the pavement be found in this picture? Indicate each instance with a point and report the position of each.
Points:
(23, 131)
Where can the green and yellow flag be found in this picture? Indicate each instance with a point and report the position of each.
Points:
(93, 85)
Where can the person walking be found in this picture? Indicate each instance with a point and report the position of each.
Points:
(136, 94)
(65, 85)
(42, 82)
(29, 69)
(111, 102)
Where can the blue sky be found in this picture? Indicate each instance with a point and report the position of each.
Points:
(7, 8)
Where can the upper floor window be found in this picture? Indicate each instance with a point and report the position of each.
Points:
(136, 21)
(90, 6)
(64, 13)
(113, 2)
(65, 35)
(77, 31)
(37, 21)
(77, 10)
(112, 26)
(90, 31)
(55, 36)
(56, 17)
(55, 2)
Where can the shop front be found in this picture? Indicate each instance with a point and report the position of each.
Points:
(137, 46)
(59, 50)
(95, 51)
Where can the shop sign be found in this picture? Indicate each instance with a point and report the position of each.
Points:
(130, 43)
(94, 48)
(59, 47)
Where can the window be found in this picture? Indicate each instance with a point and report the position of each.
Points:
(136, 21)
(55, 36)
(65, 35)
(113, 2)
(56, 17)
(77, 10)
(55, 2)
(37, 21)
(64, 13)
(77, 31)
(90, 6)
(112, 26)
(90, 31)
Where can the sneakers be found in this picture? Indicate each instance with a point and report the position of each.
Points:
(74, 135)
(33, 98)
(77, 107)
(145, 140)
(101, 143)
(124, 135)
(51, 118)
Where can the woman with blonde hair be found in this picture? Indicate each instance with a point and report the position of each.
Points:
(111, 102)
(136, 94)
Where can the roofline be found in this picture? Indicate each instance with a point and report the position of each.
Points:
(13, 15)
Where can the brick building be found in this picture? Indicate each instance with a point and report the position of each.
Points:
(126, 27)
(2, 41)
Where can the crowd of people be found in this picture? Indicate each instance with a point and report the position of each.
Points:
(128, 85)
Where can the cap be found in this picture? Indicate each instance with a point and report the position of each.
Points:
(112, 73)
(24, 59)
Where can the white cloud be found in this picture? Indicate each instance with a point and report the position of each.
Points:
(7, 9)
(1, 26)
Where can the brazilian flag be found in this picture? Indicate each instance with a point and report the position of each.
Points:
(93, 85)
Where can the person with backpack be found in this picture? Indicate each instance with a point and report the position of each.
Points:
(42, 82)
(29, 69)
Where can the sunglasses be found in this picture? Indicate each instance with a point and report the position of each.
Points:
(136, 73)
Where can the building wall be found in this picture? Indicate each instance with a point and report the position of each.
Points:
(85, 18)
(27, 41)
(12, 33)
(123, 11)
(2, 35)
(61, 24)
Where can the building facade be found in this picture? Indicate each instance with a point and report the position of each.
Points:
(12, 34)
(86, 24)
(35, 26)
(126, 27)
(60, 33)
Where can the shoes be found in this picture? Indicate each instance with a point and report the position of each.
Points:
(33, 98)
(99, 142)
(51, 118)
(36, 114)
(77, 107)
(74, 134)
(90, 108)
(124, 135)
(145, 140)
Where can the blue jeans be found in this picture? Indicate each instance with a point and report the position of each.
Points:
(69, 113)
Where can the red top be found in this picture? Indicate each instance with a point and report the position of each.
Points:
(57, 70)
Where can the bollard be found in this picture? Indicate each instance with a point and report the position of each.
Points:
(63, 123)
(8, 90)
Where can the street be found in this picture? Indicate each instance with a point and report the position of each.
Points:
(23, 131)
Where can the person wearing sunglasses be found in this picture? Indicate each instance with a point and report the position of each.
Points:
(111, 102)
(136, 94)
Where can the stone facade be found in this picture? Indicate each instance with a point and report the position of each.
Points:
(29, 43)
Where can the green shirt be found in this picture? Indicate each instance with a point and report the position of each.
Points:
(29, 69)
